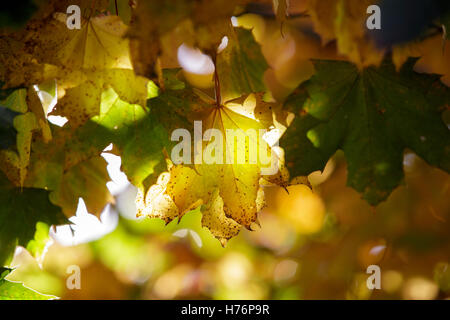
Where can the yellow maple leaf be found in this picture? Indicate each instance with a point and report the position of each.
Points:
(98, 45)
(231, 163)
(84, 63)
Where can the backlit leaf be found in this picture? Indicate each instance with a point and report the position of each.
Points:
(229, 192)
(372, 115)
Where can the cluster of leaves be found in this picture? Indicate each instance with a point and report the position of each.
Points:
(109, 80)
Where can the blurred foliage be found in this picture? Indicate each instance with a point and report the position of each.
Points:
(311, 245)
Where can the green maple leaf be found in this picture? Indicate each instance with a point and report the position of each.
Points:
(138, 137)
(241, 65)
(372, 115)
(20, 211)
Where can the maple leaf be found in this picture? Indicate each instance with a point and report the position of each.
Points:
(84, 63)
(137, 135)
(82, 102)
(372, 115)
(98, 45)
(229, 193)
(20, 210)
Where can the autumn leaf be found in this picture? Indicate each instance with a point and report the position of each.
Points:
(99, 44)
(230, 195)
(85, 62)
(372, 115)
(229, 192)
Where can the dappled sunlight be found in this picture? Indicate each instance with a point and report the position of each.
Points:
(296, 252)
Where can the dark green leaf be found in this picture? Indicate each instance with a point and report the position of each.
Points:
(372, 115)
(20, 210)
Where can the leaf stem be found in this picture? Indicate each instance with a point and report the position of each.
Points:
(216, 82)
